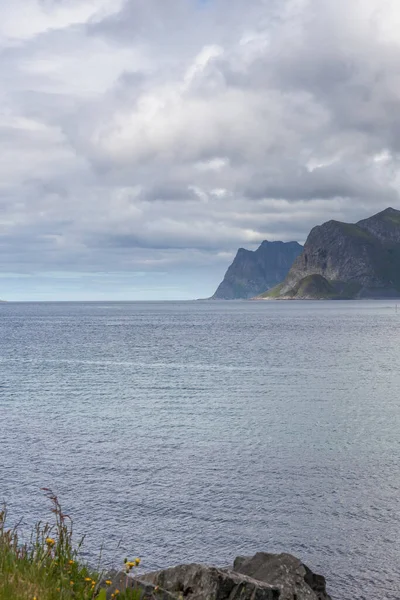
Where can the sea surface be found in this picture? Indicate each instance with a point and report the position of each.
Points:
(198, 431)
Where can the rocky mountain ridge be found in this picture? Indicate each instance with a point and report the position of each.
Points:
(253, 272)
(345, 261)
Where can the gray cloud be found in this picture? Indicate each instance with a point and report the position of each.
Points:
(159, 136)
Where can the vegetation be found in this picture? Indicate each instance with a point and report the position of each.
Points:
(316, 287)
(355, 231)
(49, 567)
(392, 216)
(274, 292)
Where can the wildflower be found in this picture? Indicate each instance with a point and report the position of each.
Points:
(88, 579)
(71, 562)
(50, 541)
(116, 592)
(137, 562)
(108, 582)
(71, 583)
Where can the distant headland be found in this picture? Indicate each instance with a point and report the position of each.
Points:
(339, 261)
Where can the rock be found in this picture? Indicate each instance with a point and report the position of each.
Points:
(295, 579)
(145, 591)
(261, 577)
(202, 582)
(252, 273)
(345, 260)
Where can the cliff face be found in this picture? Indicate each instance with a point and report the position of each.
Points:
(252, 273)
(356, 260)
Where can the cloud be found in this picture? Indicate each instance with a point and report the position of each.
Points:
(165, 134)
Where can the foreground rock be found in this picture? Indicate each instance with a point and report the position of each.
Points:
(201, 582)
(261, 577)
(295, 579)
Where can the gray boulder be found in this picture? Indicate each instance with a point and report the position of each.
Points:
(121, 582)
(260, 577)
(295, 580)
(201, 582)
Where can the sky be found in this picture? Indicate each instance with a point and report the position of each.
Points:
(144, 141)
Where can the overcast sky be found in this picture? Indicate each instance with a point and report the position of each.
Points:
(144, 141)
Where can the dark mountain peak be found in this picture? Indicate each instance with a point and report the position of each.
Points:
(386, 214)
(387, 211)
(252, 272)
(360, 259)
(385, 225)
(266, 244)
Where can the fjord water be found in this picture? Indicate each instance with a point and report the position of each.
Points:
(200, 431)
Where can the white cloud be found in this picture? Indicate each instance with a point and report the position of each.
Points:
(23, 19)
(144, 133)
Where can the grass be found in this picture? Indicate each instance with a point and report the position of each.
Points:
(391, 215)
(314, 286)
(355, 231)
(318, 287)
(48, 566)
(274, 292)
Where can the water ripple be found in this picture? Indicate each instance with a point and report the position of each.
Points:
(199, 431)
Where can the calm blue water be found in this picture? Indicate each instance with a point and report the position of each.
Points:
(200, 431)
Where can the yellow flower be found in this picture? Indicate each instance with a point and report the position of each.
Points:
(88, 579)
(71, 562)
(108, 582)
(116, 592)
(50, 541)
(137, 561)
(71, 583)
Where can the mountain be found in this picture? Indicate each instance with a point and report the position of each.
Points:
(253, 272)
(343, 260)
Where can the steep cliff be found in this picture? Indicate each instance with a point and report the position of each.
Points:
(253, 272)
(359, 260)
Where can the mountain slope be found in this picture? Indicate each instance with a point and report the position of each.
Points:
(356, 260)
(254, 272)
